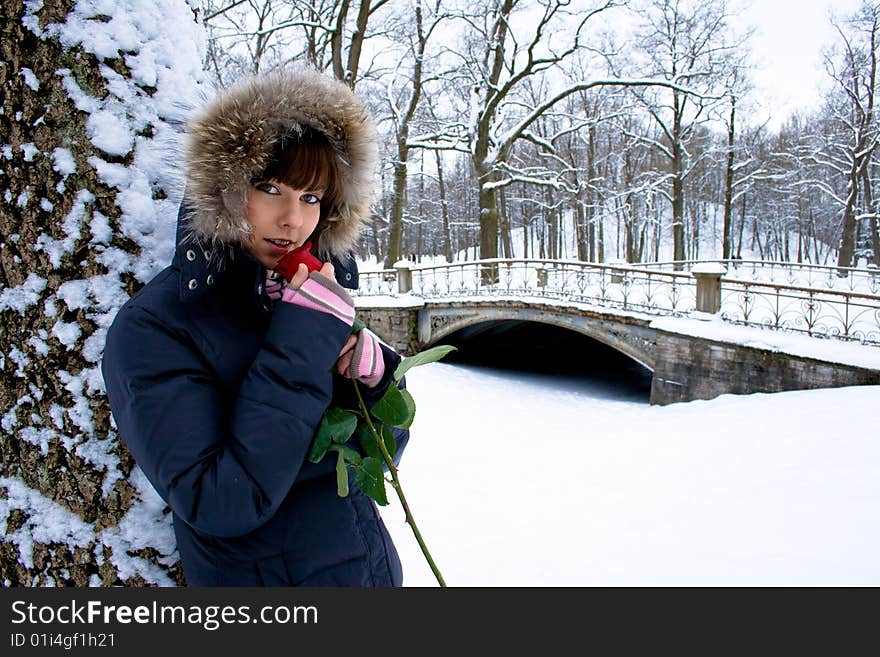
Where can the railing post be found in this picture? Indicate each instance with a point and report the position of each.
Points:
(708, 277)
(616, 276)
(404, 276)
(542, 275)
(489, 274)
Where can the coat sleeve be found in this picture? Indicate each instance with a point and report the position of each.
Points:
(223, 466)
(347, 275)
(345, 397)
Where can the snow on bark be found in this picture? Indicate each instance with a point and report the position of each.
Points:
(98, 93)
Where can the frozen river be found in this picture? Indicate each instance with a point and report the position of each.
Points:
(527, 479)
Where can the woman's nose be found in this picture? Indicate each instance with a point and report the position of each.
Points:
(291, 216)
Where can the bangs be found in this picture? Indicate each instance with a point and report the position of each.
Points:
(307, 162)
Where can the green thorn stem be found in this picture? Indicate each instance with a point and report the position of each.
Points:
(395, 483)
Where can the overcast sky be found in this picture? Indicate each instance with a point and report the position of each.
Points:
(787, 50)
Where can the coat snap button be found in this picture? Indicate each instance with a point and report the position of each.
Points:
(348, 277)
(193, 283)
(190, 255)
(210, 279)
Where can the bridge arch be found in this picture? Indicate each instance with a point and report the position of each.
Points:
(437, 321)
(685, 364)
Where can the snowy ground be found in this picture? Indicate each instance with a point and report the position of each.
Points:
(535, 480)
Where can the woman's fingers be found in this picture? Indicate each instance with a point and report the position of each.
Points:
(300, 277)
(349, 345)
(346, 355)
(302, 274)
(344, 363)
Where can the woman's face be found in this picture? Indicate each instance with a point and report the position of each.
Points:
(281, 219)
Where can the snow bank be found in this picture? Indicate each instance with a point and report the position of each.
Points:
(564, 482)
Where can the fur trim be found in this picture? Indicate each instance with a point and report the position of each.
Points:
(231, 140)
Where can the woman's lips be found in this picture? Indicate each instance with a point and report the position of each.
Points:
(278, 250)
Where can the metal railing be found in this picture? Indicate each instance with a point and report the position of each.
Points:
(620, 287)
(802, 274)
(653, 289)
(819, 313)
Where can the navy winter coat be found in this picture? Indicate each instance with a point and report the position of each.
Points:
(217, 392)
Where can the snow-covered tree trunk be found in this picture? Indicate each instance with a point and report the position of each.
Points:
(398, 207)
(444, 209)
(871, 206)
(92, 105)
(856, 80)
(728, 181)
(403, 118)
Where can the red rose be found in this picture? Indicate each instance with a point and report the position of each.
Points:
(288, 265)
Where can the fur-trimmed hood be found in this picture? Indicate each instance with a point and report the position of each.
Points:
(231, 140)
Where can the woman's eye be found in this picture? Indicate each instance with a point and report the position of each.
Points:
(269, 188)
(311, 199)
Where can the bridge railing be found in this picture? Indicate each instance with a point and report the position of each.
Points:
(820, 313)
(851, 279)
(816, 311)
(381, 282)
(616, 286)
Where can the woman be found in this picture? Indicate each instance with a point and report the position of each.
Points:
(218, 372)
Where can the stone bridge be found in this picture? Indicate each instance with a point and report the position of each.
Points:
(693, 352)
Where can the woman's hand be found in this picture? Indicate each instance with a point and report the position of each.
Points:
(344, 362)
(302, 273)
(320, 291)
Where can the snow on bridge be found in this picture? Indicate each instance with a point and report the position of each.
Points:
(701, 331)
(815, 300)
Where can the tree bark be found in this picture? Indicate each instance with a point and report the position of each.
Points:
(848, 225)
(444, 209)
(395, 240)
(677, 218)
(400, 183)
(357, 43)
(872, 222)
(600, 237)
(506, 247)
(591, 213)
(728, 186)
(581, 227)
(488, 224)
(483, 166)
(59, 223)
(552, 219)
(377, 244)
(337, 39)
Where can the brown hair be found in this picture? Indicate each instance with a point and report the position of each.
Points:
(305, 159)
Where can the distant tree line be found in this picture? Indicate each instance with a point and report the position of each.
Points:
(511, 126)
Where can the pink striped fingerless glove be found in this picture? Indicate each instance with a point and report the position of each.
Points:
(274, 285)
(368, 364)
(324, 295)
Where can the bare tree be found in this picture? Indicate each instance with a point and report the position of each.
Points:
(252, 35)
(686, 42)
(403, 88)
(853, 67)
(246, 36)
(505, 47)
(497, 72)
